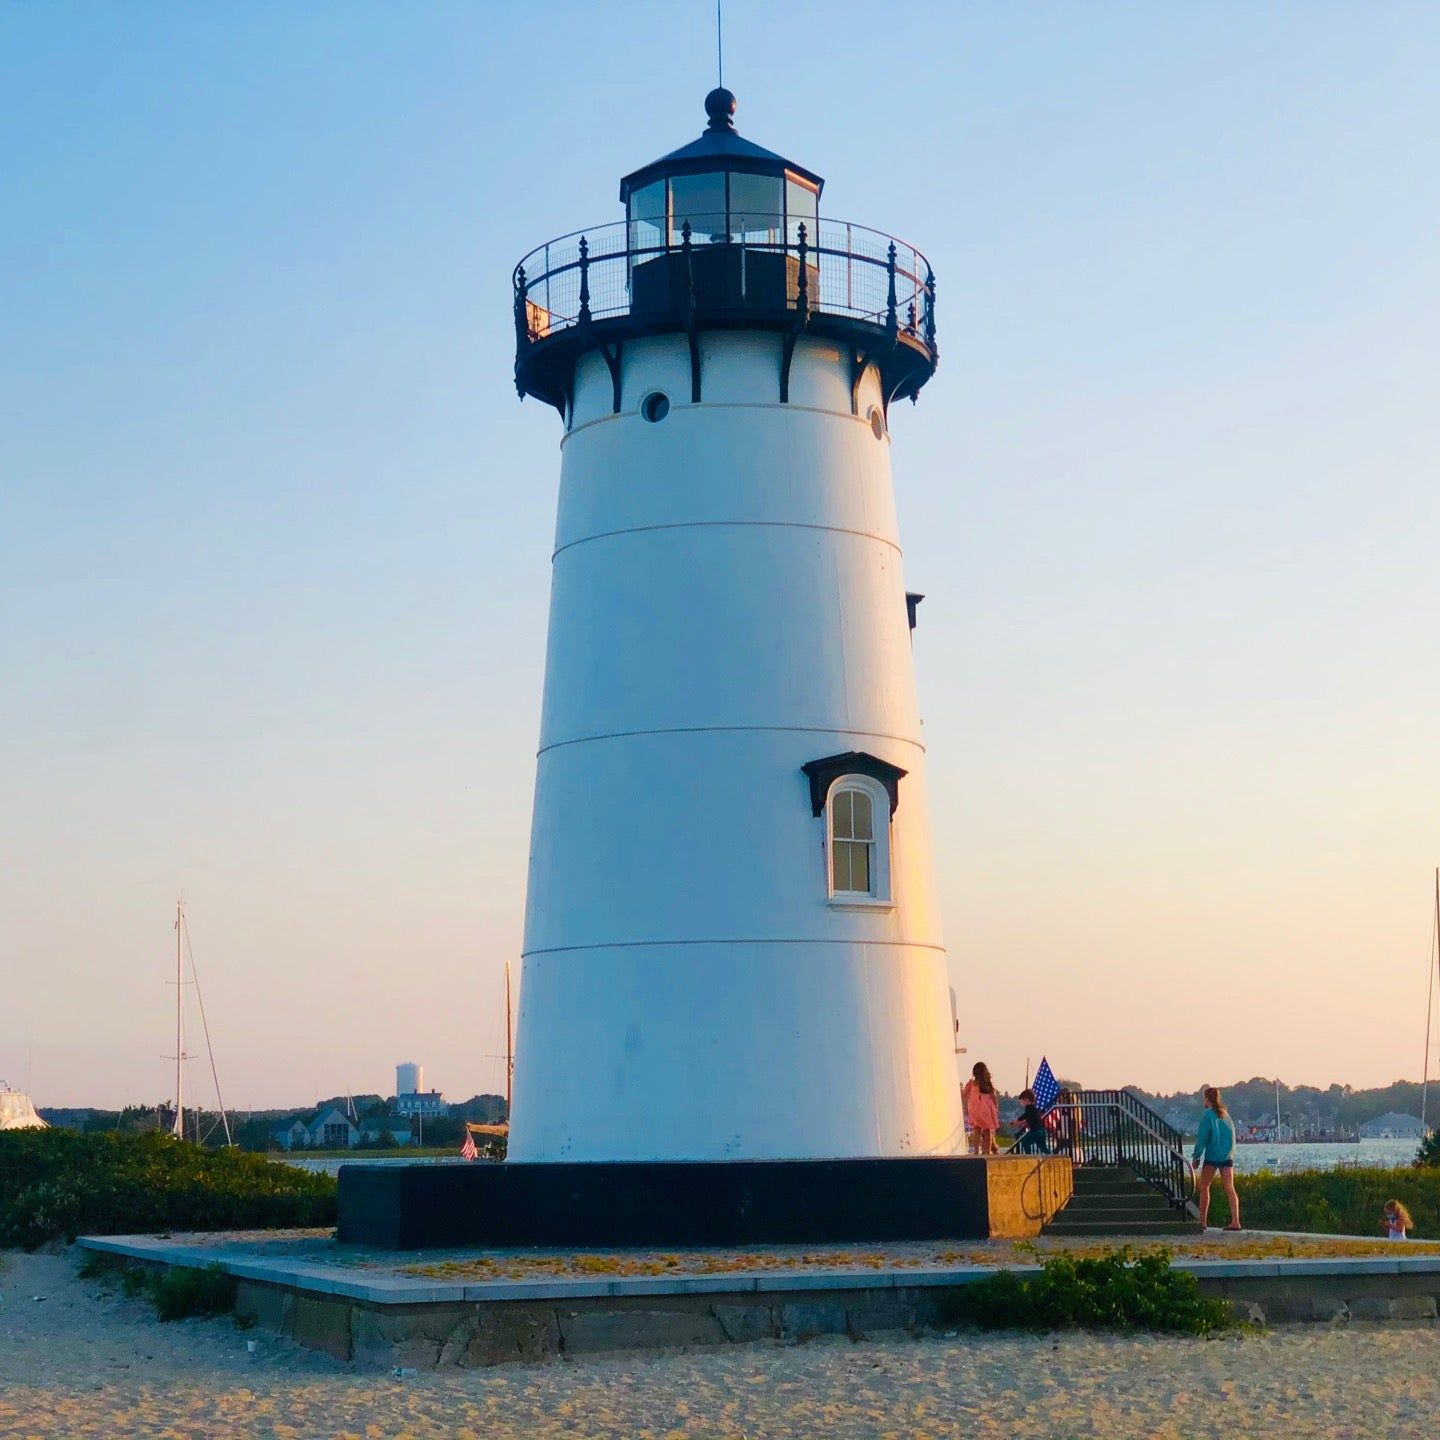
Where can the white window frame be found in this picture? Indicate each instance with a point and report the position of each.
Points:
(879, 897)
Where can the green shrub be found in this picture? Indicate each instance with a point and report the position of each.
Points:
(1428, 1155)
(136, 1280)
(1114, 1291)
(1347, 1201)
(56, 1184)
(92, 1265)
(180, 1293)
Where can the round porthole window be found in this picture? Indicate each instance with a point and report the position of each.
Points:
(877, 423)
(655, 407)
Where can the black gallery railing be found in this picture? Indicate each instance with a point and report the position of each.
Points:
(725, 265)
(1112, 1127)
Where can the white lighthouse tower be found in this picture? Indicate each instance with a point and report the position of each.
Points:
(732, 940)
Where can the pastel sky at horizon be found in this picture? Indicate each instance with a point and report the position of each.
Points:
(275, 532)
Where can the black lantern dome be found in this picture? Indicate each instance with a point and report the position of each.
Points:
(723, 234)
(723, 174)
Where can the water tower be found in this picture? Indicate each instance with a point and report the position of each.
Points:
(409, 1078)
(732, 939)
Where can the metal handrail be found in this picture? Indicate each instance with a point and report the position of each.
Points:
(841, 269)
(1112, 1127)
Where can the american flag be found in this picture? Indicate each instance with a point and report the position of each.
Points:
(468, 1150)
(1045, 1086)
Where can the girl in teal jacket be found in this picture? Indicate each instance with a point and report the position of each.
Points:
(1215, 1145)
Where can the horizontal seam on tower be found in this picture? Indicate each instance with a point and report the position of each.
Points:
(740, 729)
(765, 940)
(706, 524)
(720, 405)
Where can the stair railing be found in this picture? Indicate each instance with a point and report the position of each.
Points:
(1112, 1127)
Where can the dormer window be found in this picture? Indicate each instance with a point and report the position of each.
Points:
(855, 794)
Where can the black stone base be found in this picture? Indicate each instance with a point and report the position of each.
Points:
(740, 1202)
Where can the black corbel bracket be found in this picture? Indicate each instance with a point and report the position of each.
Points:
(859, 364)
(612, 364)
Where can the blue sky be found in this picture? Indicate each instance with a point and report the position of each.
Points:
(275, 532)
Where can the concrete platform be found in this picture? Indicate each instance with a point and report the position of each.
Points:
(735, 1202)
(474, 1308)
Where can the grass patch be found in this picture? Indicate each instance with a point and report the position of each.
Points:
(1113, 1291)
(92, 1265)
(1347, 1201)
(180, 1293)
(177, 1293)
(56, 1184)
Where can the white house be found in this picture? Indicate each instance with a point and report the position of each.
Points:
(429, 1103)
(332, 1129)
(1393, 1126)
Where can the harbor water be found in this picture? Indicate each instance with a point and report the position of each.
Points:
(1380, 1154)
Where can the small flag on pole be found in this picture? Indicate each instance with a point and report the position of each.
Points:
(1045, 1087)
(468, 1150)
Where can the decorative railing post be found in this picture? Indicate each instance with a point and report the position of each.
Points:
(802, 283)
(910, 318)
(892, 321)
(687, 249)
(584, 281)
(522, 330)
(929, 308)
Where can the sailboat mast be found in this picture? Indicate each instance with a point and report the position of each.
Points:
(1434, 952)
(179, 1126)
(509, 1046)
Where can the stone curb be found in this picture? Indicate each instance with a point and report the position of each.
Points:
(318, 1278)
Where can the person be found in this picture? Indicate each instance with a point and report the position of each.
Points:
(982, 1109)
(1063, 1122)
(1032, 1135)
(1215, 1144)
(1397, 1221)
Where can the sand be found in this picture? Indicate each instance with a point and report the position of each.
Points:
(85, 1361)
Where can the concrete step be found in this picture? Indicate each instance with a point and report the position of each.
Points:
(1112, 1200)
(1118, 1214)
(1087, 1205)
(1116, 1187)
(1104, 1179)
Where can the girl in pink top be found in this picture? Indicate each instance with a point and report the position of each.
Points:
(1397, 1221)
(982, 1110)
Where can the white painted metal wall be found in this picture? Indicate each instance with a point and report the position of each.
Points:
(728, 603)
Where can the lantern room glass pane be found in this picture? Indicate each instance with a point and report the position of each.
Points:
(755, 208)
(800, 205)
(647, 217)
(700, 199)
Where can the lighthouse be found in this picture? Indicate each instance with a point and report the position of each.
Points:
(732, 944)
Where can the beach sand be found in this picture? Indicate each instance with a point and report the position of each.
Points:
(83, 1360)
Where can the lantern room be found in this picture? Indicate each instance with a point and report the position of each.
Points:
(724, 187)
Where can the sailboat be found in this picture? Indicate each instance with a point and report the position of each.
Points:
(177, 1124)
(472, 1129)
